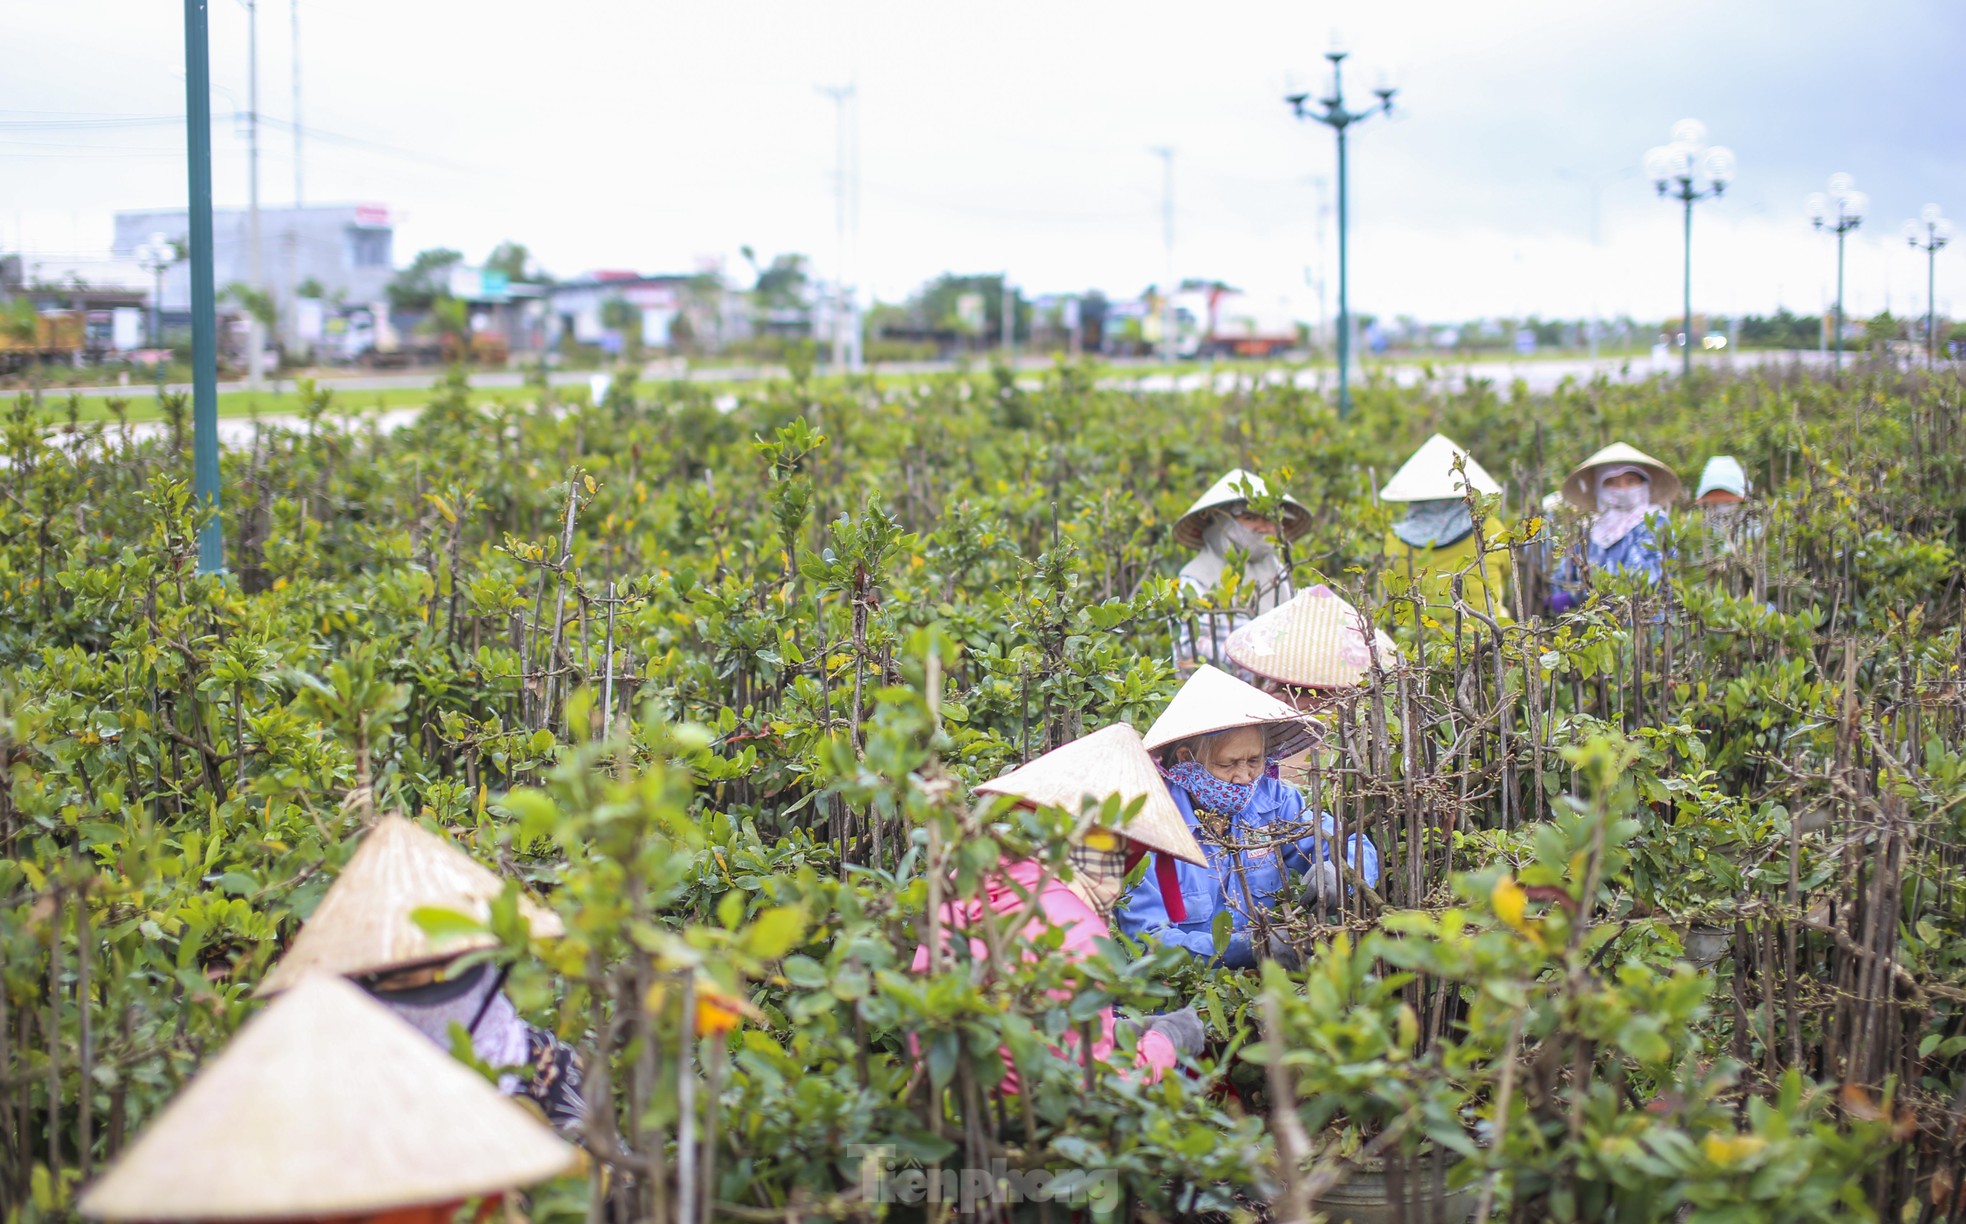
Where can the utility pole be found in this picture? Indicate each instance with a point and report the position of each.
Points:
(296, 29)
(293, 224)
(846, 193)
(256, 343)
(1166, 154)
(1009, 322)
(204, 301)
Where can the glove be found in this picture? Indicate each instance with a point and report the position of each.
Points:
(1240, 954)
(1283, 954)
(1321, 884)
(1181, 1028)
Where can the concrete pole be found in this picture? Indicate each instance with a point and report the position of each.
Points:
(1167, 240)
(255, 340)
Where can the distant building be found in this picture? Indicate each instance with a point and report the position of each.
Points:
(711, 315)
(348, 249)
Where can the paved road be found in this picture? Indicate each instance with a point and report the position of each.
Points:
(1536, 377)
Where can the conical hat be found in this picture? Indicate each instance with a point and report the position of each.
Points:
(363, 925)
(1722, 473)
(1111, 761)
(325, 1104)
(1315, 640)
(1213, 700)
(1429, 475)
(1228, 492)
(1580, 490)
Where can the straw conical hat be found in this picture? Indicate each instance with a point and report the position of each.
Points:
(1580, 490)
(1228, 492)
(324, 1105)
(1315, 640)
(363, 925)
(1108, 762)
(1429, 475)
(1213, 700)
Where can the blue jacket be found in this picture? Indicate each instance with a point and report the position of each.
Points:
(1635, 552)
(1207, 891)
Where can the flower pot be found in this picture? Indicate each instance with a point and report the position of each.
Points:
(1705, 946)
(1366, 1197)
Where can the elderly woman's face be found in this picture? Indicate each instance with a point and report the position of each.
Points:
(1238, 756)
(1624, 480)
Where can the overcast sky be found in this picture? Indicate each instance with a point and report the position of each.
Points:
(1018, 135)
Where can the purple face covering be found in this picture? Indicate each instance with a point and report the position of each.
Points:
(1207, 790)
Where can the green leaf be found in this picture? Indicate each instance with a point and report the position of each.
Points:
(442, 924)
(775, 932)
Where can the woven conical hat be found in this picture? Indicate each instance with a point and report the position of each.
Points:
(363, 924)
(1228, 492)
(1111, 761)
(1213, 700)
(1580, 490)
(326, 1105)
(1430, 476)
(1315, 640)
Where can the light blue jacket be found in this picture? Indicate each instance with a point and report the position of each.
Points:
(1208, 891)
(1635, 552)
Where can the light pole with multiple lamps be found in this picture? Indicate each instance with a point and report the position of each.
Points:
(1332, 113)
(156, 256)
(1688, 171)
(1841, 211)
(1929, 233)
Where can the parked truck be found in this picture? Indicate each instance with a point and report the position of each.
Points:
(1222, 322)
(28, 336)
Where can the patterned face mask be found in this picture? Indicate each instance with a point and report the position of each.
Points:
(1207, 790)
(1098, 869)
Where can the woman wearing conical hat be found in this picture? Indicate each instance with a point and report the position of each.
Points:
(1090, 770)
(324, 1106)
(1625, 491)
(1220, 742)
(1313, 646)
(1220, 526)
(1435, 538)
(364, 929)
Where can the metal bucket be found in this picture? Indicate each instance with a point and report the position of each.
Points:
(1366, 1198)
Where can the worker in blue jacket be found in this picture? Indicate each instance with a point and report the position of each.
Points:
(1254, 832)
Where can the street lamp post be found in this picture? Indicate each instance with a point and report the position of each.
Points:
(1841, 211)
(1688, 171)
(1929, 233)
(156, 256)
(1332, 113)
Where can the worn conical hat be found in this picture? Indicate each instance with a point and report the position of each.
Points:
(1111, 761)
(1430, 476)
(323, 1105)
(1315, 640)
(364, 924)
(1580, 490)
(1228, 492)
(1213, 700)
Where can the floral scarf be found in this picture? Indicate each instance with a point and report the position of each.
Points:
(1620, 510)
(1207, 790)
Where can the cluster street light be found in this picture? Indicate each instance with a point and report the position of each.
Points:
(1332, 113)
(1841, 211)
(156, 256)
(1928, 233)
(1688, 171)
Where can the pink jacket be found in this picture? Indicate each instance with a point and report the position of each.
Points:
(1057, 906)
